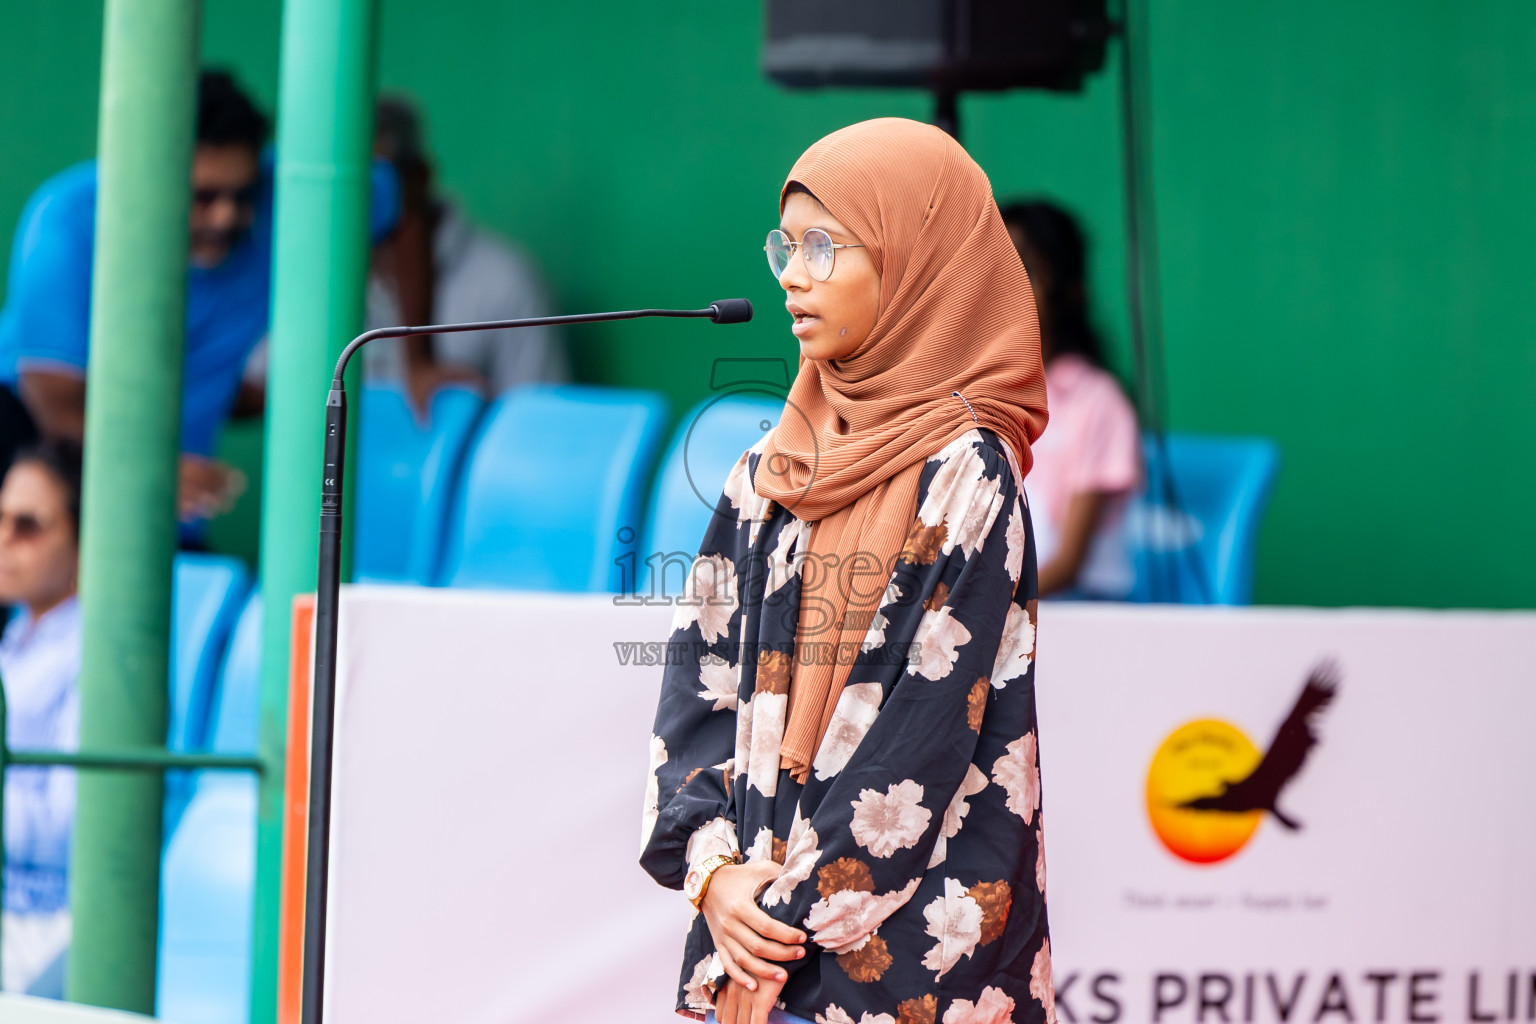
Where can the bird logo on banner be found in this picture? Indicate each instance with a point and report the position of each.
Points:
(1208, 786)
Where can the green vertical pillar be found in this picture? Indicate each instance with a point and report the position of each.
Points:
(132, 435)
(324, 143)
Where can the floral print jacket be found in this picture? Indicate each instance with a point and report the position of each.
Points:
(913, 854)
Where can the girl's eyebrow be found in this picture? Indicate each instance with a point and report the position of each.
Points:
(823, 227)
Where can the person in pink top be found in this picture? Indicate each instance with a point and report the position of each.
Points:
(1088, 461)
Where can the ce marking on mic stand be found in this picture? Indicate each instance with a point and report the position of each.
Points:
(327, 598)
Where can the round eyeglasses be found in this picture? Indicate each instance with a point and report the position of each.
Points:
(817, 249)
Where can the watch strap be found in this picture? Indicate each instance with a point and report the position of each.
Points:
(707, 871)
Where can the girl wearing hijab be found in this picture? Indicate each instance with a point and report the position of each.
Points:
(843, 770)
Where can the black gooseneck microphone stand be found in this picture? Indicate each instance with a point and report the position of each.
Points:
(317, 868)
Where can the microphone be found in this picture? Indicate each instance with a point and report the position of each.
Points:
(328, 595)
(721, 311)
(731, 311)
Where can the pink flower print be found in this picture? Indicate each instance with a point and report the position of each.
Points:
(1017, 772)
(883, 824)
(1040, 985)
(938, 635)
(955, 920)
(993, 1006)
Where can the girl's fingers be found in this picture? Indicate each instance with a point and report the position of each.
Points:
(759, 968)
(758, 946)
(724, 1001)
(734, 970)
(741, 1007)
(770, 928)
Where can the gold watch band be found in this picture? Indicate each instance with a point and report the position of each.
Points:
(707, 871)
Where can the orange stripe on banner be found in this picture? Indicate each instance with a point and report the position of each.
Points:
(290, 964)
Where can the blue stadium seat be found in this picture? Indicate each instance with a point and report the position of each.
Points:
(207, 887)
(1203, 551)
(553, 488)
(405, 477)
(208, 872)
(704, 447)
(236, 713)
(207, 594)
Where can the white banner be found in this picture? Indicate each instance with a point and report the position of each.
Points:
(490, 768)
(1407, 891)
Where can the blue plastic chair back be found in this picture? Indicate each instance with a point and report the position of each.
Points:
(207, 594)
(704, 447)
(405, 477)
(207, 899)
(208, 871)
(1203, 551)
(206, 597)
(236, 714)
(553, 489)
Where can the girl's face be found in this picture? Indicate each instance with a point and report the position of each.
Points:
(832, 318)
(39, 555)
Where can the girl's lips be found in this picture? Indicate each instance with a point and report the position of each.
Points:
(804, 324)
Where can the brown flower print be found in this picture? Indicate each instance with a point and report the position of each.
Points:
(868, 962)
(779, 847)
(917, 1011)
(939, 596)
(923, 543)
(976, 703)
(994, 899)
(689, 778)
(844, 873)
(773, 672)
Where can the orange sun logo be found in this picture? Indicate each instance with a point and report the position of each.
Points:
(1199, 758)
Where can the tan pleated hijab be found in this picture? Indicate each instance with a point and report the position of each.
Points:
(956, 314)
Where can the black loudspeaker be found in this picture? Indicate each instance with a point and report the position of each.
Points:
(946, 46)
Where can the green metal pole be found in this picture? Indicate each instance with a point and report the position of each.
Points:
(325, 139)
(132, 435)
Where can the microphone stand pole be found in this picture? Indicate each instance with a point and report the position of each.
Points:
(317, 857)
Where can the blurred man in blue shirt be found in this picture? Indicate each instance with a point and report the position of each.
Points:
(44, 330)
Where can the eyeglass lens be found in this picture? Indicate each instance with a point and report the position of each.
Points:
(815, 248)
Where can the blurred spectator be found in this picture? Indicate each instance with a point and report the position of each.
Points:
(44, 333)
(1088, 462)
(40, 667)
(437, 267)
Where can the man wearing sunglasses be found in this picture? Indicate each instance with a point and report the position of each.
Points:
(45, 326)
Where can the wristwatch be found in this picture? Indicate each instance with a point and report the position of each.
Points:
(697, 882)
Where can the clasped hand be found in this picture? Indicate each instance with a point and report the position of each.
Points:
(747, 939)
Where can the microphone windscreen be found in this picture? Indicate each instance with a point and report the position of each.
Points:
(731, 311)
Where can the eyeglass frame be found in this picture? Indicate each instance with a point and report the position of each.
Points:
(245, 197)
(795, 248)
(25, 526)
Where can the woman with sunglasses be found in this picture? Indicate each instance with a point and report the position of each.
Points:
(40, 669)
(844, 778)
